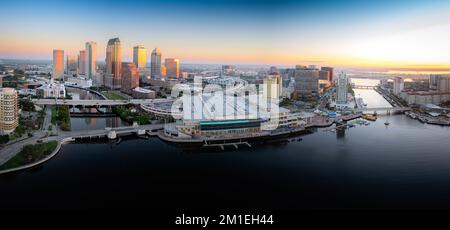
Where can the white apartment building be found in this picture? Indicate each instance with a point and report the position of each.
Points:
(9, 110)
(51, 90)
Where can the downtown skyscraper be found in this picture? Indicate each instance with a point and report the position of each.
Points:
(113, 78)
(90, 59)
(140, 56)
(130, 77)
(71, 64)
(172, 67)
(342, 90)
(82, 62)
(156, 63)
(58, 65)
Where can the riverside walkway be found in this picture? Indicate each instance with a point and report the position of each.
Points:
(9, 151)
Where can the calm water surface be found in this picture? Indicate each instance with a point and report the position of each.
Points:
(370, 96)
(78, 123)
(404, 165)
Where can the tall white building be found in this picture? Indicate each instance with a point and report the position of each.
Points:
(398, 85)
(272, 86)
(90, 59)
(9, 110)
(156, 63)
(342, 90)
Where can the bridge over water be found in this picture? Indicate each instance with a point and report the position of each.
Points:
(390, 109)
(97, 103)
(364, 86)
(107, 131)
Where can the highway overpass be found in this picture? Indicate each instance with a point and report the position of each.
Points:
(97, 103)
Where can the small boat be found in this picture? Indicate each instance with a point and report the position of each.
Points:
(370, 117)
(386, 123)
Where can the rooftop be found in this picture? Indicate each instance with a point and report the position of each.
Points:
(142, 90)
(113, 40)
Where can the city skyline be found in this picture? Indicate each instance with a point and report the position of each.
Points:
(345, 34)
(223, 112)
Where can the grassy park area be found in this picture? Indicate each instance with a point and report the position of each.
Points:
(111, 95)
(61, 116)
(30, 154)
(129, 114)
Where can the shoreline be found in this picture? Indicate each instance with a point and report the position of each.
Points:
(37, 163)
(69, 140)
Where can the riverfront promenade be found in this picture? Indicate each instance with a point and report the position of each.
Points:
(9, 151)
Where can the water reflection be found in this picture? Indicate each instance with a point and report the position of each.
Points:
(340, 133)
(79, 94)
(86, 123)
(370, 96)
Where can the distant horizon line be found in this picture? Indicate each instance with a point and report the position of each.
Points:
(181, 63)
(406, 68)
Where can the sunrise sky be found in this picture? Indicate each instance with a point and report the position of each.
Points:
(397, 34)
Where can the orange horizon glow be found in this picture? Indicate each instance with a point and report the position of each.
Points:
(26, 49)
(392, 35)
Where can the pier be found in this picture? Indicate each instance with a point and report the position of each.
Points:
(223, 145)
(111, 133)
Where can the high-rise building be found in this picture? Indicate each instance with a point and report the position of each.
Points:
(58, 64)
(140, 57)
(172, 67)
(9, 110)
(434, 79)
(71, 64)
(272, 86)
(324, 75)
(113, 79)
(273, 69)
(342, 90)
(306, 83)
(330, 71)
(444, 84)
(130, 77)
(156, 63)
(82, 62)
(163, 71)
(440, 82)
(91, 59)
(398, 85)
